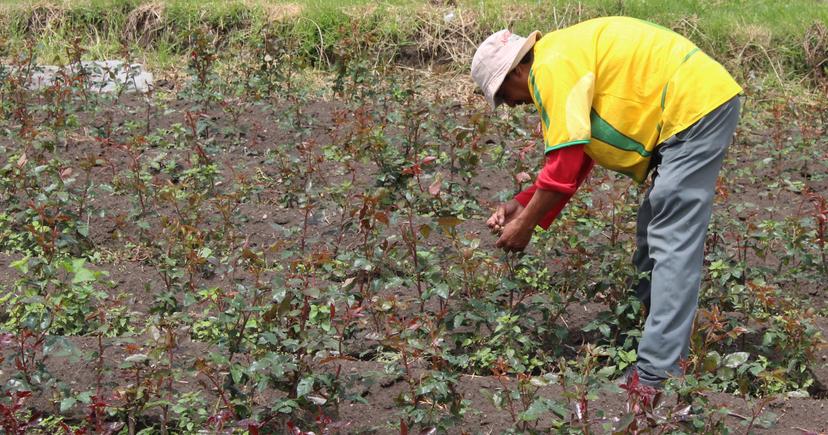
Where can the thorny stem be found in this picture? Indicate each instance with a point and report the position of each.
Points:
(28, 353)
(499, 373)
(308, 207)
(412, 245)
(131, 421)
(220, 390)
(170, 356)
(510, 266)
(87, 183)
(100, 367)
(583, 402)
(408, 376)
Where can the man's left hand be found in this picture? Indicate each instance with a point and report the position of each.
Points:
(516, 235)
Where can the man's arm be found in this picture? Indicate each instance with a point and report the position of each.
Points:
(517, 233)
(565, 170)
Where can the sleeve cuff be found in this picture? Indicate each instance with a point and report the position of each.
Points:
(524, 197)
(550, 148)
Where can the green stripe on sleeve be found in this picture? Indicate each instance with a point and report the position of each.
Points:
(690, 54)
(658, 26)
(602, 130)
(664, 91)
(536, 91)
(565, 144)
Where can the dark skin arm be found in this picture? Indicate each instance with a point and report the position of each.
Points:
(517, 232)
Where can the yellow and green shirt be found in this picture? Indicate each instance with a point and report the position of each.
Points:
(622, 86)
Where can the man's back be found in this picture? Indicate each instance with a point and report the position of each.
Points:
(624, 84)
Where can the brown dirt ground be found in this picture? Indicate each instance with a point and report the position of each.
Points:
(138, 281)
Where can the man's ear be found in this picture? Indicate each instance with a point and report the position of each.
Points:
(522, 69)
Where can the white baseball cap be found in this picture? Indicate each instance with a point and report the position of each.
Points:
(496, 57)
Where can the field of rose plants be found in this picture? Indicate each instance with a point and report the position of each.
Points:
(260, 246)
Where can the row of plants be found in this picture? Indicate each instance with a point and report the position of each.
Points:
(246, 323)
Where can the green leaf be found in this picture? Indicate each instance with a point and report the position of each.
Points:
(285, 406)
(236, 373)
(305, 386)
(83, 275)
(767, 420)
(797, 394)
(22, 265)
(85, 397)
(536, 410)
(136, 358)
(735, 359)
(711, 362)
(442, 290)
(726, 373)
(606, 371)
(560, 410)
(67, 404)
(448, 222)
(497, 400)
(624, 422)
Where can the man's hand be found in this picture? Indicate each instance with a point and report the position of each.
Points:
(516, 235)
(504, 214)
(516, 223)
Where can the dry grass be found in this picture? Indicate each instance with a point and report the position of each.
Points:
(751, 48)
(144, 24)
(815, 45)
(451, 35)
(281, 11)
(437, 35)
(446, 35)
(43, 16)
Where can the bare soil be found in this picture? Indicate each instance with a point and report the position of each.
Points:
(265, 221)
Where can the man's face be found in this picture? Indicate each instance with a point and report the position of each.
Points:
(515, 87)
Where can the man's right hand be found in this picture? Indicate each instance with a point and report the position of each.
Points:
(504, 214)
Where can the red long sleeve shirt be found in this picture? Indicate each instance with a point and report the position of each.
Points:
(564, 171)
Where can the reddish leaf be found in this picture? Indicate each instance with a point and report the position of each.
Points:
(434, 188)
(251, 425)
(413, 170)
(381, 217)
(523, 177)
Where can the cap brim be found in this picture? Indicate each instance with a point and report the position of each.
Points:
(527, 45)
(498, 80)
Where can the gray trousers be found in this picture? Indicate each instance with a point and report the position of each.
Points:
(670, 234)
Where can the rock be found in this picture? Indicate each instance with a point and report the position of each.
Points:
(102, 76)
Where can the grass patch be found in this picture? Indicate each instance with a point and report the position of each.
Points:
(751, 37)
